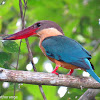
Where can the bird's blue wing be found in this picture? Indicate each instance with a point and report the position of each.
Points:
(67, 50)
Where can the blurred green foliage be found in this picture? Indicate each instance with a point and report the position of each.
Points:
(78, 19)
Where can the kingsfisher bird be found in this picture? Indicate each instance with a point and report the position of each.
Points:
(61, 50)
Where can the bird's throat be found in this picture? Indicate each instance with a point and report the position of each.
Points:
(48, 33)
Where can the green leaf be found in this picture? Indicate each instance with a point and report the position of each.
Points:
(4, 57)
(11, 46)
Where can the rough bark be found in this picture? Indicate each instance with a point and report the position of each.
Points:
(90, 94)
(40, 78)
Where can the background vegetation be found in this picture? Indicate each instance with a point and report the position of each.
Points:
(79, 20)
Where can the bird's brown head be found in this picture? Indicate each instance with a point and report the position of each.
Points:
(35, 29)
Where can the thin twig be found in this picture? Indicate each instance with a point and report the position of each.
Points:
(27, 42)
(25, 7)
(31, 58)
(17, 68)
(21, 12)
(30, 54)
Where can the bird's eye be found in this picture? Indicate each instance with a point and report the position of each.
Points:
(38, 24)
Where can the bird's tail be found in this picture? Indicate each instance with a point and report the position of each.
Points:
(91, 72)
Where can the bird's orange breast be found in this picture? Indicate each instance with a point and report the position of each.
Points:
(63, 64)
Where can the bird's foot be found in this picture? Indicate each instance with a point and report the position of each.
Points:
(70, 72)
(54, 71)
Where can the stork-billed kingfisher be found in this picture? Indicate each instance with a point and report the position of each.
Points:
(61, 50)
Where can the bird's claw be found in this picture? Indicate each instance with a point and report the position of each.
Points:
(70, 72)
(55, 72)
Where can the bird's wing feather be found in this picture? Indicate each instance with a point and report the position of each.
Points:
(65, 49)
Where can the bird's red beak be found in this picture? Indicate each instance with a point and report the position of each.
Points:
(22, 34)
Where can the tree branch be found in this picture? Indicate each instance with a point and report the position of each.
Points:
(39, 78)
(90, 94)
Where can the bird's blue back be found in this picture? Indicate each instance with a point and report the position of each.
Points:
(67, 50)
